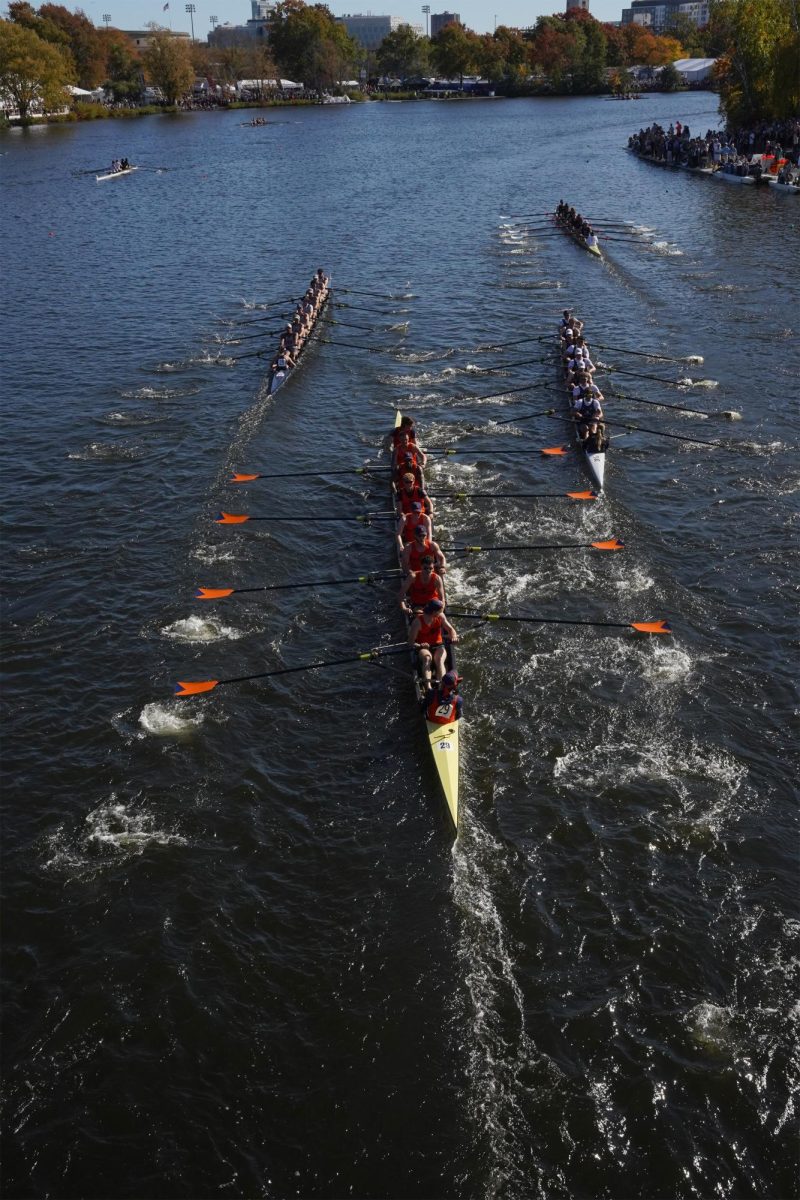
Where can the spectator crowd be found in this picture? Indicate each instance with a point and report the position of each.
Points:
(735, 151)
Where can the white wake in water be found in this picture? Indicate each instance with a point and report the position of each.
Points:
(200, 629)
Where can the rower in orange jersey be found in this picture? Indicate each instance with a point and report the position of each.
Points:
(405, 447)
(411, 558)
(421, 587)
(409, 522)
(426, 634)
(411, 491)
(408, 465)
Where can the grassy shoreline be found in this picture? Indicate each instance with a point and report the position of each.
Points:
(99, 112)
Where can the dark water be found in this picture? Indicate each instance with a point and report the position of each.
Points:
(242, 955)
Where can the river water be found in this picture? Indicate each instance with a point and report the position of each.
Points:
(244, 956)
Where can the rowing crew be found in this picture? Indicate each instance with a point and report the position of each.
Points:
(119, 164)
(578, 224)
(587, 399)
(422, 595)
(297, 331)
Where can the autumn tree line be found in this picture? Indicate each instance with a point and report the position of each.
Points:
(756, 42)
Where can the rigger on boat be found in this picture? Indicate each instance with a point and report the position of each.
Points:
(298, 331)
(423, 600)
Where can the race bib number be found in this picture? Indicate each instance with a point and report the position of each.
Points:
(443, 710)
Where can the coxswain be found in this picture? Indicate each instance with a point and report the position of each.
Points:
(591, 239)
(409, 492)
(405, 428)
(411, 558)
(443, 703)
(411, 521)
(283, 361)
(421, 587)
(426, 634)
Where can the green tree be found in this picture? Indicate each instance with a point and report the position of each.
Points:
(755, 35)
(554, 47)
(84, 40)
(455, 51)
(503, 57)
(692, 38)
(230, 64)
(168, 63)
(123, 67)
(33, 70)
(670, 78)
(590, 59)
(309, 45)
(786, 83)
(260, 65)
(402, 53)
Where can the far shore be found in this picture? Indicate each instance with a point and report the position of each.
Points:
(101, 112)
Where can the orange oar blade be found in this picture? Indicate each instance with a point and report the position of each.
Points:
(611, 544)
(212, 593)
(583, 495)
(652, 626)
(195, 689)
(553, 450)
(244, 478)
(231, 518)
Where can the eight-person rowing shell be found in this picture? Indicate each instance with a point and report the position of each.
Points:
(298, 330)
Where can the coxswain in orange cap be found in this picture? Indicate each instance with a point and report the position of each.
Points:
(426, 634)
(421, 587)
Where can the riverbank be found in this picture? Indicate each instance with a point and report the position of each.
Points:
(99, 112)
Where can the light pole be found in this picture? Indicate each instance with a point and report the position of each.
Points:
(214, 22)
(191, 9)
(106, 20)
(426, 8)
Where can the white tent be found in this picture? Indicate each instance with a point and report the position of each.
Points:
(255, 85)
(695, 70)
(78, 92)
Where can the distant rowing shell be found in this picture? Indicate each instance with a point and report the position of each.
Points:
(116, 174)
(278, 378)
